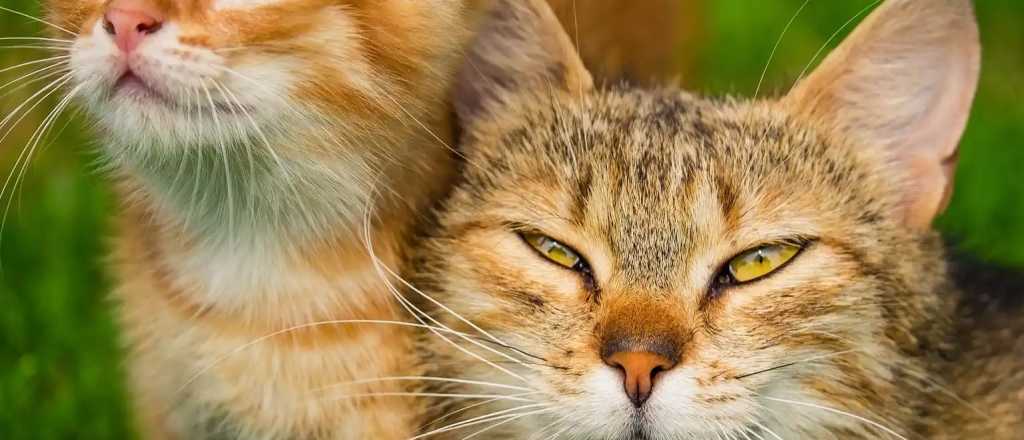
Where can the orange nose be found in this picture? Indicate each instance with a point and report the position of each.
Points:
(131, 21)
(640, 368)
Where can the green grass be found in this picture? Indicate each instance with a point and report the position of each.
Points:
(60, 361)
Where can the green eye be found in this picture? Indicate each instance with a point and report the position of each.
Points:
(552, 250)
(756, 263)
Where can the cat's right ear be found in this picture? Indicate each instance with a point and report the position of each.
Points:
(520, 46)
(903, 82)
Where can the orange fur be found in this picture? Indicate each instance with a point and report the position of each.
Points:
(220, 306)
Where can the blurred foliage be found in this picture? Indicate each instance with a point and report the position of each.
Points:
(61, 373)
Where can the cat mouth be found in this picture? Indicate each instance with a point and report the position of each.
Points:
(137, 88)
(132, 85)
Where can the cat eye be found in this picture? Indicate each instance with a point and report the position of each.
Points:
(759, 262)
(554, 251)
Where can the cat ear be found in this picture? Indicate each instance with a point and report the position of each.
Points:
(904, 81)
(521, 45)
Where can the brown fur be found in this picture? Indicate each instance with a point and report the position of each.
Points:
(864, 334)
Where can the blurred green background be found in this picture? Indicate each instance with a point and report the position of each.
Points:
(60, 361)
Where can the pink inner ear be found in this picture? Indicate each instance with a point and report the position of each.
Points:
(904, 80)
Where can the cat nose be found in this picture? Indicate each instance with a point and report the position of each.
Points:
(129, 22)
(640, 368)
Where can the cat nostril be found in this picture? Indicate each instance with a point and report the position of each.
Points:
(109, 27)
(149, 28)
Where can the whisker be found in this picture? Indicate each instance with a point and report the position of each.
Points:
(509, 420)
(415, 394)
(38, 20)
(546, 427)
(832, 37)
(263, 338)
(33, 62)
(486, 418)
(33, 101)
(37, 47)
(469, 407)
(427, 379)
(35, 76)
(415, 311)
(765, 429)
(837, 411)
(32, 145)
(229, 185)
(797, 362)
(777, 43)
(43, 39)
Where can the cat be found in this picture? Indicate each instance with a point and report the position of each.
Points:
(642, 263)
(257, 146)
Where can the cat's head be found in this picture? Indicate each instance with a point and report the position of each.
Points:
(665, 266)
(187, 73)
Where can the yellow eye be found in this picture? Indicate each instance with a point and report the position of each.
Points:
(553, 250)
(756, 263)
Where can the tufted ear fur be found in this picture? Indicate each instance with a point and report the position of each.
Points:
(521, 45)
(903, 81)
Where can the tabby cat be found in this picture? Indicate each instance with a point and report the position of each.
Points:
(623, 263)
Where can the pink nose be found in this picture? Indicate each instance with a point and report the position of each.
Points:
(130, 21)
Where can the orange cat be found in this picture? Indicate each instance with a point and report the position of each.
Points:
(250, 139)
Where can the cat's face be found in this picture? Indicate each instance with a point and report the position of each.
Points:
(669, 267)
(170, 73)
(656, 193)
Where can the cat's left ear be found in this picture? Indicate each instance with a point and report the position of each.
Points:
(904, 80)
(521, 47)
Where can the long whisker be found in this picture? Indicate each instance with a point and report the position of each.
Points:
(509, 420)
(797, 362)
(37, 47)
(833, 36)
(469, 407)
(263, 338)
(777, 43)
(837, 411)
(34, 100)
(415, 311)
(544, 429)
(482, 419)
(426, 379)
(38, 20)
(33, 62)
(288, 176)
(40, 39)
(35, 76)
(34, 142)
(227, 168)
(445, 395)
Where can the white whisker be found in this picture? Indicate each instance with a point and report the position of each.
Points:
(33, 62)
(38, 20)
(490, 417)
(427, 379)
(840, 412)
(832, 37)
(776, 47)
(263, 338)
